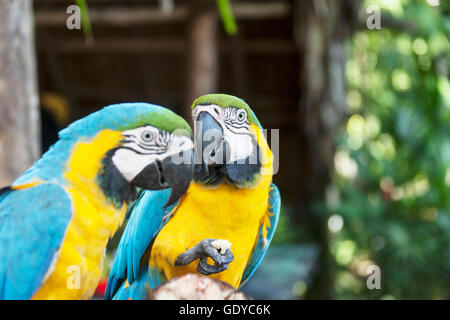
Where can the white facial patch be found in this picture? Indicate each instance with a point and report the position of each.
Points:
(241, 146)
(238, 138)
(130, 164)
(145, 145)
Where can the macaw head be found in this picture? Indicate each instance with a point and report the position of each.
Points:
(228, 139)
(149, 147)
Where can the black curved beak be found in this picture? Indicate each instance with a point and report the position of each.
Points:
(174, 171)
(209, 141)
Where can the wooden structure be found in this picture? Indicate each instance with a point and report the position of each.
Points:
(142, 53)
(19, 113)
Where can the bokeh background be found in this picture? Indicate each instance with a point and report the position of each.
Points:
(363, 116)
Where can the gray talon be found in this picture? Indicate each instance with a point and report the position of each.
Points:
(202, 251)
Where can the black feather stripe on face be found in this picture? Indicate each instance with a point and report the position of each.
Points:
(244, 173)
(115, 187)
(214, 176)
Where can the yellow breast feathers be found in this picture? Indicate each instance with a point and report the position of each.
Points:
(77, 268)
(224, 212)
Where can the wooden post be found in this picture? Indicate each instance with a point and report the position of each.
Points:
(202, 52)
(19, 114)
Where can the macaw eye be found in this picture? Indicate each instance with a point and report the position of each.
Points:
(147, 136)
(241, 115)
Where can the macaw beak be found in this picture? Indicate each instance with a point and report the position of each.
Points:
(170, 172)
(209, 140)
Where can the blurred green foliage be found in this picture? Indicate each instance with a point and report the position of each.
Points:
(86, 25)
(389, 203)
(227, 17)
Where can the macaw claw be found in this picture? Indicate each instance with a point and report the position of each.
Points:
(205, 249)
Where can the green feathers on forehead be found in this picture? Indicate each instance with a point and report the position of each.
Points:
(164, 119)
(225, 101)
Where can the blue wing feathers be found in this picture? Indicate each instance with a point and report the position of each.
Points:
(144, 223)
(33, 223)
(263, 244)
(140, 288)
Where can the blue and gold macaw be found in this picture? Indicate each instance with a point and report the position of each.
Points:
(227, 216)
(56, 219)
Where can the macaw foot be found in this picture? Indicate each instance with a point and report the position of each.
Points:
(218, 250)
